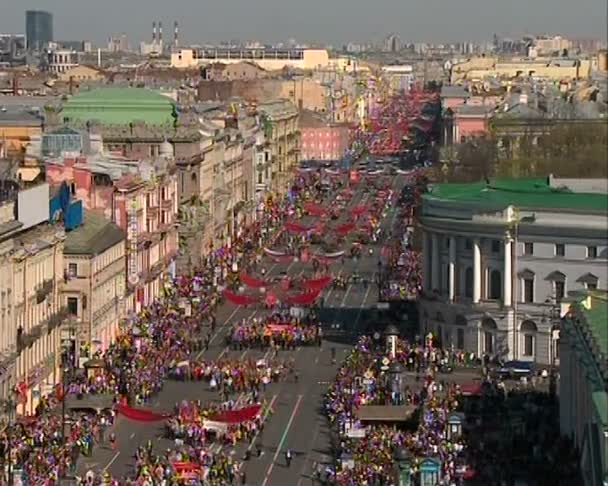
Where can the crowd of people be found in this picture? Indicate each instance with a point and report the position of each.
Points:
(196, 424)
(362, 381)
(279, 329)
(152, 345)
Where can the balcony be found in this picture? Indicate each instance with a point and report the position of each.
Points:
(45, 289)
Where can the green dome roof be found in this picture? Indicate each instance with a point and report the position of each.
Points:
(120, 106)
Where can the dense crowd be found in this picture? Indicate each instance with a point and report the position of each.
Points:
(362, 381)
(279, 329)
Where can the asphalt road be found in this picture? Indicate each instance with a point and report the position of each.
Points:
(297, 421)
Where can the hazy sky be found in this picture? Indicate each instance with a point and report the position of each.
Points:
(334, 21)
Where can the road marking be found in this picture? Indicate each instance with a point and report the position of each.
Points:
(132, 436)
(111, 462)
(282, 441)
(310, 445)
(266, 413)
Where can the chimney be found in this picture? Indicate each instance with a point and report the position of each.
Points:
(175, 34)
(160, 32)
(153, 32)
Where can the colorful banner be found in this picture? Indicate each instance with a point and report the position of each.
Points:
(278, 328)
(274, 253)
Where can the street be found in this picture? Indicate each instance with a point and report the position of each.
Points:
(296, 421)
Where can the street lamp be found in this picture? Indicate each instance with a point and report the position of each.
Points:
(403, 462)
(391, 333)
(395, 371)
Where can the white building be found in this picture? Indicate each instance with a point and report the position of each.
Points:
(498, 257)
(62, 60)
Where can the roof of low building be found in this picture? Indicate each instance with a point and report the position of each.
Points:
(93, 237)
(596, 316)
(19, 117)
(524, 193)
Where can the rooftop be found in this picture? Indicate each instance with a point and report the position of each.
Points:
(526, 193)
(120, 106)
(93, 237)
(596, 315)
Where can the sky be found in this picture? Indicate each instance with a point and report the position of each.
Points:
(325, 21)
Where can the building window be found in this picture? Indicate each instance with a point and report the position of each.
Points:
(528, 290)
(73, 270)
(488, 342)
(495, 246)
(468, 244)
(73, 306)
(460, 338)
(468, 283)
(560, 250)
(592, 252)
(528, 331)
(559, 289)
(528, 249)
(591, 285)
(528, 345)
(495, 285)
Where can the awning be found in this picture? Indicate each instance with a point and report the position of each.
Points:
(384, 413)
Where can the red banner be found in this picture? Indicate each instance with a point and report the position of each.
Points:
(294, 227)
(140, 414)
(359, 210)
(253, 281)
(186, 467)
(345, 228)
(306, 298)
(278, 328)
(314, 209)
(239, 415)
(317, 284)
(239, 299)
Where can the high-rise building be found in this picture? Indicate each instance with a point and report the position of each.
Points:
(38, 28)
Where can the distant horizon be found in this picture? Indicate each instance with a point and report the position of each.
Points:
(333, 23)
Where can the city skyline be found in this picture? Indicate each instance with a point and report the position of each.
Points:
(316, 21)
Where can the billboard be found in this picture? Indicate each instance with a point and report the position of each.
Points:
(33, 206)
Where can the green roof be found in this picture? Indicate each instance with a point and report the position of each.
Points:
(93, 237)
(529, 193)
(597, 317)
(120, 106)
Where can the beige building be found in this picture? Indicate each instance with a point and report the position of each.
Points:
(31, 277)
(557, 69)
(82, 73)
(280, 124)
(95, 278)
(268, 59)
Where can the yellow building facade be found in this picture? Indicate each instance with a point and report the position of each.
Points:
(95, 278)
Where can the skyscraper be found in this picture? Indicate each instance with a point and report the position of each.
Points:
(38, 28)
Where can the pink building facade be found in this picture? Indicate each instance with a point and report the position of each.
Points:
(145, 209)
(324, 143)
